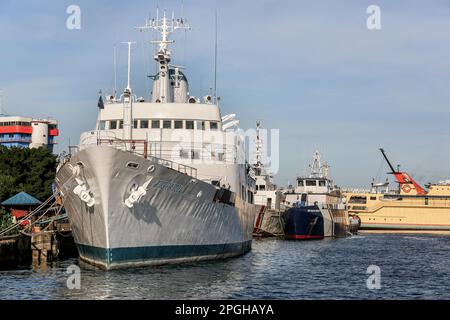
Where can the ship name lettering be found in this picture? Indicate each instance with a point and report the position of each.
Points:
(169, 186)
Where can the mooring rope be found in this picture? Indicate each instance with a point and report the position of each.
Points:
(29, 215)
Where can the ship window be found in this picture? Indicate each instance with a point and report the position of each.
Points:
(373, 198)
(120, 124)
(249, 196)
(155, 124)
(426, 201)
(184, 154)
(300, 183)
(311, 183)
(167, 124)
(113, 124)
(178, 124)
(213, 126)
(195, 154)
(135, 124)
(358, 199)
(132, 165)
(200, 125)
(262, 187)
(322, 183)
(101, 125)
(189, 124)
(144, 124)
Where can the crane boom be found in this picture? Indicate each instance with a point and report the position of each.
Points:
(387, 160)
(405, 181)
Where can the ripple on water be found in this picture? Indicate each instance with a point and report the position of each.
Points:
(412, 267)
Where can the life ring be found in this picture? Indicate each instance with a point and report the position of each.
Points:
(406, 188)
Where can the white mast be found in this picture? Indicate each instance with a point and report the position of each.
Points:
(317, 169)
(165, 27)
(128, 102)
(115, 73)
(258, 145)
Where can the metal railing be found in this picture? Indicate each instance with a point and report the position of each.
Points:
(139, 147)
(191, 171)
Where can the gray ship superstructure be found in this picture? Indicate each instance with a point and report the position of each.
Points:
(159, 181)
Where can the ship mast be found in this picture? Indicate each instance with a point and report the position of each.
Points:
(258, 153)
(163, 55)
(317, 169)
(128, 102)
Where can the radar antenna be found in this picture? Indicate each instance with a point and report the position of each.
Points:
(165, 27)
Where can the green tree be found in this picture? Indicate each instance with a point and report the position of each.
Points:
(29, 170)
(5, 220)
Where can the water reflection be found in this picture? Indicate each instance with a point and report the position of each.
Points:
(412, 267)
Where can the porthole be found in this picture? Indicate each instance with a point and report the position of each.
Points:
(133, 165)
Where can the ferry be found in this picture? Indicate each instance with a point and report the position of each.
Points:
(161, 179)
(317, 206)
(410, 207)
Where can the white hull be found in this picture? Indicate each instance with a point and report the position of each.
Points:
(177, 220)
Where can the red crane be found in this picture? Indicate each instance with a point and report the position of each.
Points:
(407, 184)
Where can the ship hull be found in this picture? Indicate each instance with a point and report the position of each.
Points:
(416, 213)
(177, 220)
(313, 222)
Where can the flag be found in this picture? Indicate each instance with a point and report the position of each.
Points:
(100, 104)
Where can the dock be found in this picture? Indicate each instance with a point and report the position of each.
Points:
(46, 238)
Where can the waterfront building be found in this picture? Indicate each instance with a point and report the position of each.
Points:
(26, 132)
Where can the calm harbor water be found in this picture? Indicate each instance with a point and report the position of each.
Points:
(412, 267)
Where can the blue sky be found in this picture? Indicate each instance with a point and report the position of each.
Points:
(309, 68)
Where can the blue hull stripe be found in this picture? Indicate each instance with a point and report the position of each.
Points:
(142, 254)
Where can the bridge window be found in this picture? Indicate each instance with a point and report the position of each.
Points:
(189, 124)
(311, 183)
(200, 125)
(178, 124)
(101, 125)
(113, 124)
(322, 183)
(213, 126)
(167, 124)
(300, 183)
(144, 124)
(155, 124)
(120, 124)
(135, 124)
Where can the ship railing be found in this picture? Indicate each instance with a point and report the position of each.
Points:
(139, 147)
(198, 153)
(190, 171)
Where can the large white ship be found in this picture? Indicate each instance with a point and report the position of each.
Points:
(159, 181)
